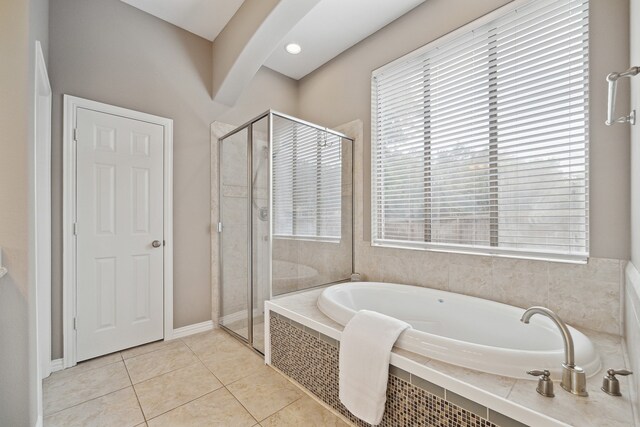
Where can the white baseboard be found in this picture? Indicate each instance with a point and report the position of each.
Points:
(57, 365)
(192, 329)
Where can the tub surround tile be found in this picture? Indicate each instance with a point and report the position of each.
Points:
(478, 261)
(587, 303)
(596, 409)
(494, 384)
(152, 364)
(467, 404)
(520, 282)
(504, 421)
(405, 269)
(218, 408)
(66, 390)
(476, 281)
(306, 304)
(400, 373)
(598, 269)
(170, 390)
(521, 288)
(264, 393)
(304, 412)
(314, 364)
(521, 265)
(427, 386)
(119, 408)
(564, 407)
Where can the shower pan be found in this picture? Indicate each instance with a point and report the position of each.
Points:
(286, 216)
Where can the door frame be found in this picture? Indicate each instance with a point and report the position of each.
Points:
(69, 254)
(42, 231)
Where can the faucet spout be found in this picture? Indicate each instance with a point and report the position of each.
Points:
(573, 377)
(569, 353)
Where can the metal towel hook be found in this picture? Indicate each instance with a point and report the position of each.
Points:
(612, 79)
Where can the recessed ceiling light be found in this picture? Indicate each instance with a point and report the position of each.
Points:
(293, 48)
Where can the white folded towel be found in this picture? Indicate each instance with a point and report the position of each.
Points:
(365, 349)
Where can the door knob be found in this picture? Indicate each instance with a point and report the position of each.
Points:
(156, 243)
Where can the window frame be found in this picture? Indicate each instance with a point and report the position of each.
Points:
(493, 249)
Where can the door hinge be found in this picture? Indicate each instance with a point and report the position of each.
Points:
(75, 134)
(75, 228)
(219, 227)
(75, 324)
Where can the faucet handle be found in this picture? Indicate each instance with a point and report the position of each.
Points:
(545, 385)
(538, 373)
(610, 383)
(623, 372)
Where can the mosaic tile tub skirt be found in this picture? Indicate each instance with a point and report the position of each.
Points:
(311, 359)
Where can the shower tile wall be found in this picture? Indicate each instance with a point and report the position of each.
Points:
(584, 295)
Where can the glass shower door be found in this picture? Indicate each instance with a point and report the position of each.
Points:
(235, 274)
(261, 247)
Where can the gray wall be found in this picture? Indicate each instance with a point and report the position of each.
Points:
(340, 91)
(14, 289)
(110, 52)
(21, 23)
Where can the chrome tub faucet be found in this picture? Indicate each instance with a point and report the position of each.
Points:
(574, 379)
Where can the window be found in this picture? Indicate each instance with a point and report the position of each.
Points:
(480, 139)
(307, 181)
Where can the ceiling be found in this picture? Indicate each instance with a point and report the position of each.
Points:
(332, 27)
(329, 29)
(205, 18)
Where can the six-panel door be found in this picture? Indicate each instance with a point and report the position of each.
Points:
(119, 216)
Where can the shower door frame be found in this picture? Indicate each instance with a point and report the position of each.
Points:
(249, 126)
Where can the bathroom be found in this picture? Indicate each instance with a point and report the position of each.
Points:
(246, 322)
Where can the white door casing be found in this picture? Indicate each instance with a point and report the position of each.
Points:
(117, 179)
(42, 221)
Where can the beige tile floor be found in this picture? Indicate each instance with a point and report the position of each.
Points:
(209, 379)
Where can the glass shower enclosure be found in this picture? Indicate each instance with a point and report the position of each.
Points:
(286, 216)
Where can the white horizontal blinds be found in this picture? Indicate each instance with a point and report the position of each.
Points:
(307, 182)
(481, 142)
(543, 129)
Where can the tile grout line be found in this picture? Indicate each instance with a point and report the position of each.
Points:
(223, 384)
(152, 351)
(93, 398)
(194, 399)
(167, 372)
(85, 401)
(135, 392)
(68, 370)
(255, 373)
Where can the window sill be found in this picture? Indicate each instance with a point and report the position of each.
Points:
(559, 258)
(309, 239)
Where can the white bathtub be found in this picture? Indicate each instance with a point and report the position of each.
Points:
(471, 332)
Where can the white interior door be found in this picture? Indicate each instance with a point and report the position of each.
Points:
(119, 302)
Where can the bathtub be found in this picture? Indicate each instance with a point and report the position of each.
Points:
(461, 330)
